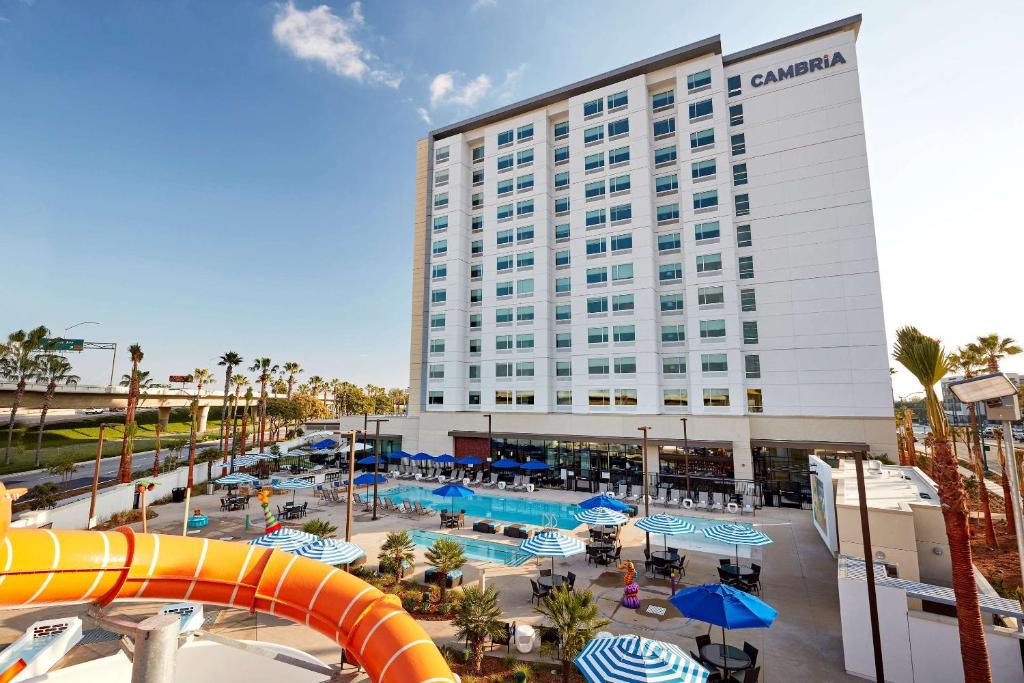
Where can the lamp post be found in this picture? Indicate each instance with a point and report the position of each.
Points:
(376, 461)
(686, 457)
(351, 476)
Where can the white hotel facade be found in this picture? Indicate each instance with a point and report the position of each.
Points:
(686, 236)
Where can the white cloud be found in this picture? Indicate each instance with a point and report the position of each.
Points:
(506, 92)
(319, 35)
(443, 90)
(425, 115)
(480, 4)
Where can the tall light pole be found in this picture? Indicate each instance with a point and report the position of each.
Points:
(376, 461)
(351, 476)
(686, 457)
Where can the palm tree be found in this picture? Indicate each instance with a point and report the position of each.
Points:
(320, 527)
(574, 617)
(925, 358)
(993, 348)
(53, 370)
(124, 469)
(967, 361)
(18, 363)
(445, 555)
(397, 551)
(228, 361)
(239, 381)
(265, 370)
(293, 370)
(63, 468)
(479, 620)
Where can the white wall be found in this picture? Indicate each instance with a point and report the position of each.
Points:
(823, 506)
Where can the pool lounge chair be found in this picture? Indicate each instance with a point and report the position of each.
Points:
(661, 499)
(477, 481)
(622, 491)
(719, 502)
(748, 505)
(493, 482)
(702, 500)
(420, 510)
(673, 501)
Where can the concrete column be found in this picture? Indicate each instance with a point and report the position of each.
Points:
(156, 649)
(164, 413)
(202, 417)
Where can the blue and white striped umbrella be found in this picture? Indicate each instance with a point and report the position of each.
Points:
(236, 479)
(552, 544)
(246, 460)
(285, 539)
(666, 525)
(294, 485)
(633, 659)
(736, 535)
(331, 551)
(601, 517)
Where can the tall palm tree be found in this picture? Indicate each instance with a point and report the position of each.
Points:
(574, 617)
(292, 370)
(264, 369)
(18, 363)
(967, 361)
(994, 348)
(479, 620)
(925, 358)
(228, 360)
(239, 382)
(124, 469)
(52, 369)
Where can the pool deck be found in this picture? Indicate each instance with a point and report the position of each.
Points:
(798, 579)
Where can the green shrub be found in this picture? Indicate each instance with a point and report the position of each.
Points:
(43, 496)
(522, 672)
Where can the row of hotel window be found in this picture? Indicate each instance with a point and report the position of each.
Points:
(660, 101)
(670, 398)
(624, 365)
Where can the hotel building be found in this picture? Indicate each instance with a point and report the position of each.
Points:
(688, 236)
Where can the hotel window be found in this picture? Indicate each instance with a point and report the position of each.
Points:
(664, 155)
(716, 398)
(673, 333)
(593, 190)
(750, 332)
(739, 174)
(504, 212)
(439, 271)
(622, 302)
(505, 138)
(673, 365)
(664, 127)
(477, 201)
(626, 365)
(435, 398)
(625, 397)
(440, 200)
(524, 260)
(441, 178)
(476, 321)
(734, 85)
(440, 223)
(670, 271)
(563, 368)
(503, 397)
(599, 397)
(502, 315)
(562, 258)
(736, 115)
(475, 345)
(593, 107)
(524, 182)
(622, 212)
(474, 371)
(562, 231)
(524, 314)
(504, 237)
(671, 303)
(478, 154)
(524, 157)
(710, 296)
(714, 362)
(524, 341)
(618, 184)
(624, 333)
(477, 224)
(503, 288)
(505, 162)
(563, 312)
(618, 100)
(504, 187)
(702, 138)
(748, 300)
(698, 80)
(596, 217)
(440, 247)
(435, 371)
(706, 231)
(666, 183)
(700, 109)
(746, 267)
(476, 296)
(752, 366)
(561, 155)
(712, 329)
(437, 345)
(703, 169)
(597, 276)
(739, 144)
(597, 366)
(743, 236)
(524, 208)
(668, 212)
(561, 206)
(474, 398)
(437, 321)
(524, 369)
(619, 155)
(663, 99)
(524, 132)
(438, 296)
(592, 162)
(562, 285)
(596, 245)
(597, 304)
(503, 342)
(441, 155)
(593, 135)
(561, 130)
(674, 398)
(621, 243)
(563, 398)
(563, 340)
(477, 248)
(755, 401)
(705, 200)
(669, 242)
(561, 180)
(622, 271)
(709, 263)
(742, 205)
(620, 127)
(524, 287)
(478, 176)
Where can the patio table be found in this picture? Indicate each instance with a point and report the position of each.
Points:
(738, 570)
(725, 657)
(665, 556)
(552, 581)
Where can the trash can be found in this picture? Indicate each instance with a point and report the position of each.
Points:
(178, 494)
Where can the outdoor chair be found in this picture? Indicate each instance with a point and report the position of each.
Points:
(748, 505)
(478, 480)
(673, 500)
(510, 630)
(702, 641)
(545, 572)
(570, 579)
(538, 592)
(749, 675)
(702, 500)
(493, 482)
(224, 504)
(661, 499)
(302, 512)
(622, 490)
(717, 505)
(750, 651)
(724, 562)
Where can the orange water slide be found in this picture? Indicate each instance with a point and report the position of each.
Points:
(40, 567)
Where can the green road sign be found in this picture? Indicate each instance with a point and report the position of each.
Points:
(59, 344)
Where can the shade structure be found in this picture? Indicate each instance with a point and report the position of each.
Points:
(666, 525)
(285, 539)
(725, 606)
(236, 478)
(331, 551)
(736, 535)
(398, 455)
(453, 491)
(604, 502)
(534, 465)
(552, 544)
(601, 517)
(421, 457)
(633, 659)
(369, 460)
(368, 478)
(505, 464)
(469, 460)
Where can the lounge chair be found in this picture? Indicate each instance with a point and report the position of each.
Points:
(493, 482)
(602, 488)
(420, 510)
(673, 501)
(661, 499)
(622, 491)
(748, 504)
(478, 480)
(702, 500)
(719, 502)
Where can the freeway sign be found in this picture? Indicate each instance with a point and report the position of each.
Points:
(183, 379)
(59, 344)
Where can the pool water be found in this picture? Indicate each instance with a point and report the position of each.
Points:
(499, 553)
(484, 506)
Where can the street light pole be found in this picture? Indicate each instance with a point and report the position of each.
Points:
(686, 457)
(376, 461)
(351, 476)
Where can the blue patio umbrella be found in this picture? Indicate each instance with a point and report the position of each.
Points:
(284, 539)
(445, 458)
(736, 535)
(397, 455)
(421, 457)
(601, 517)
(633, 659)
(603, 501)
(325, 444)
(453, 491)
(368, 460)
(505, 464)
(549, 543)
(368, 479)
(331, 551)
(469, 460)
(720, 605)
(534, 465)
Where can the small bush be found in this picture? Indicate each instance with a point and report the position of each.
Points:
(43, 496)
(522, 672)
(320, 527)
(509, 661)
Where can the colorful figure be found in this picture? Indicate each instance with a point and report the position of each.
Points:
(631, 592)
(268, 516)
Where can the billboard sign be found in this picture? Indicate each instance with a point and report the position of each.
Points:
(180, 379)
(59, 344)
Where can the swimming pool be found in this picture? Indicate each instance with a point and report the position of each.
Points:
(504, 508)
(499, 553)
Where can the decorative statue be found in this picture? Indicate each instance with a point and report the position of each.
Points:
(631, 591)
(268, 517)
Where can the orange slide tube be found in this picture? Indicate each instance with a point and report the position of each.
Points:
(41, 567)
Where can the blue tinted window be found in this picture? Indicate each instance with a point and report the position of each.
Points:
(665, 127)
(663, 99)
(699, 109)
(505, 138)
(619, 127)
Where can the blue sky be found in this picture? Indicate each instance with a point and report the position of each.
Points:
(205, 176)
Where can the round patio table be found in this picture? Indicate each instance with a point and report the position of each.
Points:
(601, 546)
(725, 657)
(740, 570)
(665, 556)
(551, 581)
